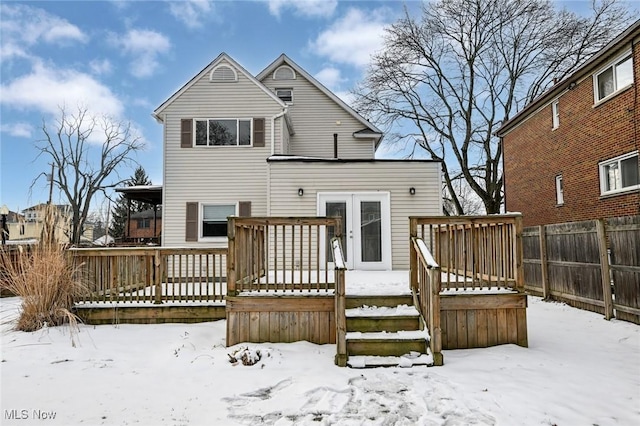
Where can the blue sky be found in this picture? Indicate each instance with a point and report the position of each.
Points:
(124, 58)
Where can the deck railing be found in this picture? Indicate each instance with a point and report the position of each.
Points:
(425, 288)
(280, 254)
(156, 275)
(474, 251)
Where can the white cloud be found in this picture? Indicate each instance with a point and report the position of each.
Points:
(47, 89)
(330, 77)
(143, 46)
(191, 12)
(309, 8)
(21, 130)
(354, 37)
(100, 67)
(25, 26)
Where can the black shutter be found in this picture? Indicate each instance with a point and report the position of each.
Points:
(191, 224)
(258, 132)
(186, 133)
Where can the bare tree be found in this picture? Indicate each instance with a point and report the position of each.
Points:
(86, 153)
(464, 66)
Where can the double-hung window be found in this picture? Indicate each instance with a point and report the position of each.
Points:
(615, 77)
(555, 110)
(619, 174)
(223, 132)
(214, 219)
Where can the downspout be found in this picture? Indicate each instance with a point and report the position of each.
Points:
(273, 152)
(273, 130)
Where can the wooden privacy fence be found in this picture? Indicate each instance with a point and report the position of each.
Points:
(153, 274)
(467, 280)
(592, 265)
(281, 279)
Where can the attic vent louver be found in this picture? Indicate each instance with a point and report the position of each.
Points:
(223, 73)
(284, 73)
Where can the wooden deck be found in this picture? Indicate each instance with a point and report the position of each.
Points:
(273, 285)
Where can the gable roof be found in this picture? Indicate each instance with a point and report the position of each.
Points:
(283, 59)
(603, 55)
(222, 57)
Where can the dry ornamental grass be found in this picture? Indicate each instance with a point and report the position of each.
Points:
(45, 279)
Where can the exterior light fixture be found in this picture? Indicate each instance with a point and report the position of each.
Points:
(300, 192)
(412, 191)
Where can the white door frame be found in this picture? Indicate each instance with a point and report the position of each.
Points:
(352, 229)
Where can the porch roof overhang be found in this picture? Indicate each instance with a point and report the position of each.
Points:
(151, 194)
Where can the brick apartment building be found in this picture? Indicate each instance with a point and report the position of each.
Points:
(572, 154)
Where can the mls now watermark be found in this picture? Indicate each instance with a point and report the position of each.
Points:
(29, 415)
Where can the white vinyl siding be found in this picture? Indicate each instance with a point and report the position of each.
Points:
(224, 175)
(315, 118)
(394, 177)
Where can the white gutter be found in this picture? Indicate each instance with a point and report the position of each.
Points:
(273, 130)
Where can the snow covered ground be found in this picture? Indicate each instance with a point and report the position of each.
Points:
(579, 369)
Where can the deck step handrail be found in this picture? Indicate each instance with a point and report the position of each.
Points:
(426, 294)
(340, 303)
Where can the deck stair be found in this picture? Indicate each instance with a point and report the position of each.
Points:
(384, 331)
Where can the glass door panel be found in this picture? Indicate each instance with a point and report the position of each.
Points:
(370, 231)
(336, 209)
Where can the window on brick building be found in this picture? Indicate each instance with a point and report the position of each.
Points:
(619, 174)
(614, 77)
(559, 190)
(144, 223)
(555, 111)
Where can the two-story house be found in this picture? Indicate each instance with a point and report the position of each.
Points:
(572, 154)
(281, 144)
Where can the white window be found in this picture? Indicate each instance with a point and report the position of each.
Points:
(285, 95)
(214, 219)
(284, 72)
(225, 132)
(555, 110)
(619, 174)
(559, 190)
(615, 77)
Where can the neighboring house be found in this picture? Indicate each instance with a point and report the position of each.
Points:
(572, 154)
(143, 226)
(29, 224)
(281, 144)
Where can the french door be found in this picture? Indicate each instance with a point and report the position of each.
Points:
(366, 223)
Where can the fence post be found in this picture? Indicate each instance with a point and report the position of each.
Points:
(604, 269)
(157, 276)
(231, 257)
(544, 266)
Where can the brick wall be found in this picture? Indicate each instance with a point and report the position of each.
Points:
(534, 155)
